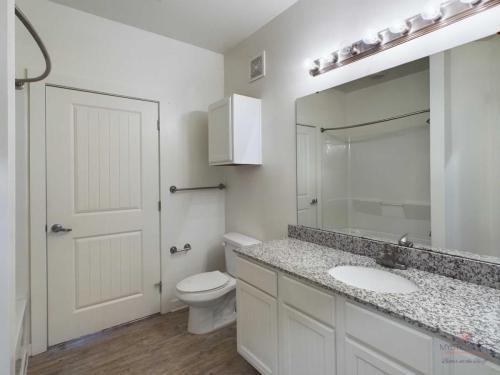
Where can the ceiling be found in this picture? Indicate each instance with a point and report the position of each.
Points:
(216, 25)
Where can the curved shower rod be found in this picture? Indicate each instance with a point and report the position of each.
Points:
(48, 65)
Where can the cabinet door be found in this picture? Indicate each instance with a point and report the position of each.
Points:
(360, 360)
(306, 345)
(220, 132)
(257, 330)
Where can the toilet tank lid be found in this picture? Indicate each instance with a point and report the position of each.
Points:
(240, 240)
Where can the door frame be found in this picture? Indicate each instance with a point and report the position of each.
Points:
(38, 199)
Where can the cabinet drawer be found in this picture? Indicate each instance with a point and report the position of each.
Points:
(408, 346)
(361, 360)
(258, 276)
(317, 304)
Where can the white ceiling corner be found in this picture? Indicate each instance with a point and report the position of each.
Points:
(216, 25)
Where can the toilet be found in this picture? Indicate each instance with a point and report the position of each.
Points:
(211, 296)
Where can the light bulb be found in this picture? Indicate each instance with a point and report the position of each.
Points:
(371, 38)
(470, 2)
(399, 27)
(326, 60)
(346, 50)
(310, 64)
(432, 13)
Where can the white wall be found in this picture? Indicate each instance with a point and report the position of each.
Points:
(22, 196)
(256, 204)
(94, 53)
(472, 147)
(7, 187)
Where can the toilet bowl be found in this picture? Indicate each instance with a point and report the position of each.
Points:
(211, 296)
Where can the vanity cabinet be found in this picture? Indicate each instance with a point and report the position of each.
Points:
(234, 131)
(288, 327)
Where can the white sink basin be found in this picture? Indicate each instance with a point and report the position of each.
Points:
(373, 279)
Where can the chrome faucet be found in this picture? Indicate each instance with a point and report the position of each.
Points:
(404, 241)
(387, 258)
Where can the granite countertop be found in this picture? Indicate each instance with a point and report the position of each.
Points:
(465, 313)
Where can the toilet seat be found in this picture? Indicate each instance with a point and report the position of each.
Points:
(203, 282)
(206, 296)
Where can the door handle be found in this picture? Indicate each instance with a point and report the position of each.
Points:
(56, 228)
(314, 201)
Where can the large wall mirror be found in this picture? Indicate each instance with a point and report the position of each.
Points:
(412, 150)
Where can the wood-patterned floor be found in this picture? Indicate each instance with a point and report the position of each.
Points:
(157, 345)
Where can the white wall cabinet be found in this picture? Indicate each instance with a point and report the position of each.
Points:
(257, 331)
(235, 131)
(320, 334)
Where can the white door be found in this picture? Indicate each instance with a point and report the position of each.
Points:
(257, 326)
(307, 199)
(103, 184)
(360, 360)
(306, 345)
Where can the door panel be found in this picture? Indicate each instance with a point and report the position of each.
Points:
(307, 199)
(257, 336)
(307, 346)
(102, 182)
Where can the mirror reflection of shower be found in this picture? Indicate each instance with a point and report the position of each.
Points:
(363, 156)
(369, 171)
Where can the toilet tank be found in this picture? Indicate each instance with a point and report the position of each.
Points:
(234, 241)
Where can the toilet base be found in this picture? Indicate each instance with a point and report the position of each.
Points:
(216, 316)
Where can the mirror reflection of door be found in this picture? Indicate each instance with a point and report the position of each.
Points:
(307, 199)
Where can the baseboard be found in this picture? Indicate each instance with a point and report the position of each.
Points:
(176, 305)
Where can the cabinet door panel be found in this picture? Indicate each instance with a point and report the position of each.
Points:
(257, 331)
(220, 138)
(360, 360)
(306, 345)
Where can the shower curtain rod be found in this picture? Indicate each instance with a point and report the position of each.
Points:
(48, 65)
(378, 121)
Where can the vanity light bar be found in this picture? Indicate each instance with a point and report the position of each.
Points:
(431, 19)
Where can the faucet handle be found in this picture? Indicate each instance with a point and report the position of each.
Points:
(405, 241)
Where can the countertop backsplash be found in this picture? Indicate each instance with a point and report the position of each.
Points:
(470, 270)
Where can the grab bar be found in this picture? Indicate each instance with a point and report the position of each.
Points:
(48, 65)
(175, 189)
(175, 250)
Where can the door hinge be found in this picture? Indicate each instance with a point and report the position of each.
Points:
(159, 205)
(158, 125)
(159, 285)
(46, 228)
